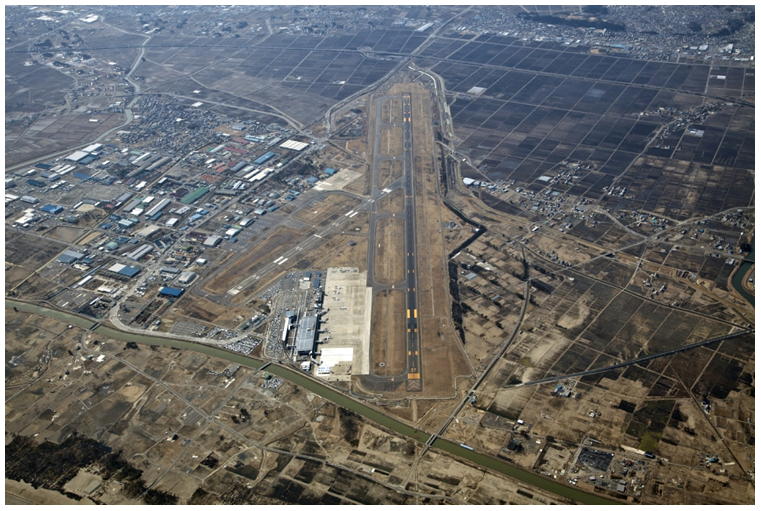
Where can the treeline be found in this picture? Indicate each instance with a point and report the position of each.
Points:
(51, 466)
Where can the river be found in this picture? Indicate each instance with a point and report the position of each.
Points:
(328, 393)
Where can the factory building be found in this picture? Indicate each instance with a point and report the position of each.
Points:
(170, 291)
(158, 207)
(186, 277)
(147, 232)
(69, 256)
(122, 270)
(139, 252)
(294, 145)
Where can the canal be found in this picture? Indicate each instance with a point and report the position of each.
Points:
(328, 393)
(746, 265)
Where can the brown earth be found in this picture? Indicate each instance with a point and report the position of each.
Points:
(388, 336)
(389, 255)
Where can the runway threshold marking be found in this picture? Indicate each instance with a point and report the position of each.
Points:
(281, 262)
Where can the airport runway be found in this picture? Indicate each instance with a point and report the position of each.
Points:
(409, 285)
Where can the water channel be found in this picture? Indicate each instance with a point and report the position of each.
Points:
(328, 393)
(746, 265)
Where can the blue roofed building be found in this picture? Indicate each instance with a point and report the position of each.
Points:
(52, 209)
(330, 171)
(170, 291)
(264, 157)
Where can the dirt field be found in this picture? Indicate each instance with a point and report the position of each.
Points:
(196, 307)
(391, 141)
(389, 256)
(389, 171)
(391, 110)
(67, 234)
(388, 336)
(327, 210)
(25, 254)
(392, 202)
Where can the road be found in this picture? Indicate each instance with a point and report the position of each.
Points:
(471, 392)
(637, 360)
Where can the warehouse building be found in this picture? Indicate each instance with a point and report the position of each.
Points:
(52, 209)
(121, 270)
(195, 195)
(263, 158)
(69, 256)
(77, 156)
(139, 252)
(170, 291)
(186, 277)
(293, 145)
(147, 232)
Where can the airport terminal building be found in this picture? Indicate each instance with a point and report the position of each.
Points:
(306, 335)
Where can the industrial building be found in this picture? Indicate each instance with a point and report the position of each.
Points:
(122, 270)
(186, 277)
(148, 231)
(264, 157)
(170, 291)
(158, 207)
(139, 252)
(212, 241)
(195, 195)
(69, 256)
(52, 209)
(306, 335)
(77, 156)
(293, 145)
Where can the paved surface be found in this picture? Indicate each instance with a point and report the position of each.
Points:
(407, 184)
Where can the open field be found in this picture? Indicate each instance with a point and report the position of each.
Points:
(389, 255)
(67, 234)
(25, 254)
(391, 141)
(389, 172)
(392, 202)
(391, 111)
(388, 337)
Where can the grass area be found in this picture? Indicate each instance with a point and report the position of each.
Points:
(526, 362)
(636, 429)
(649, 441)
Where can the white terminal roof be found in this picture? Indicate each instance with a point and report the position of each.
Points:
(116, 268)
(293, 145)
